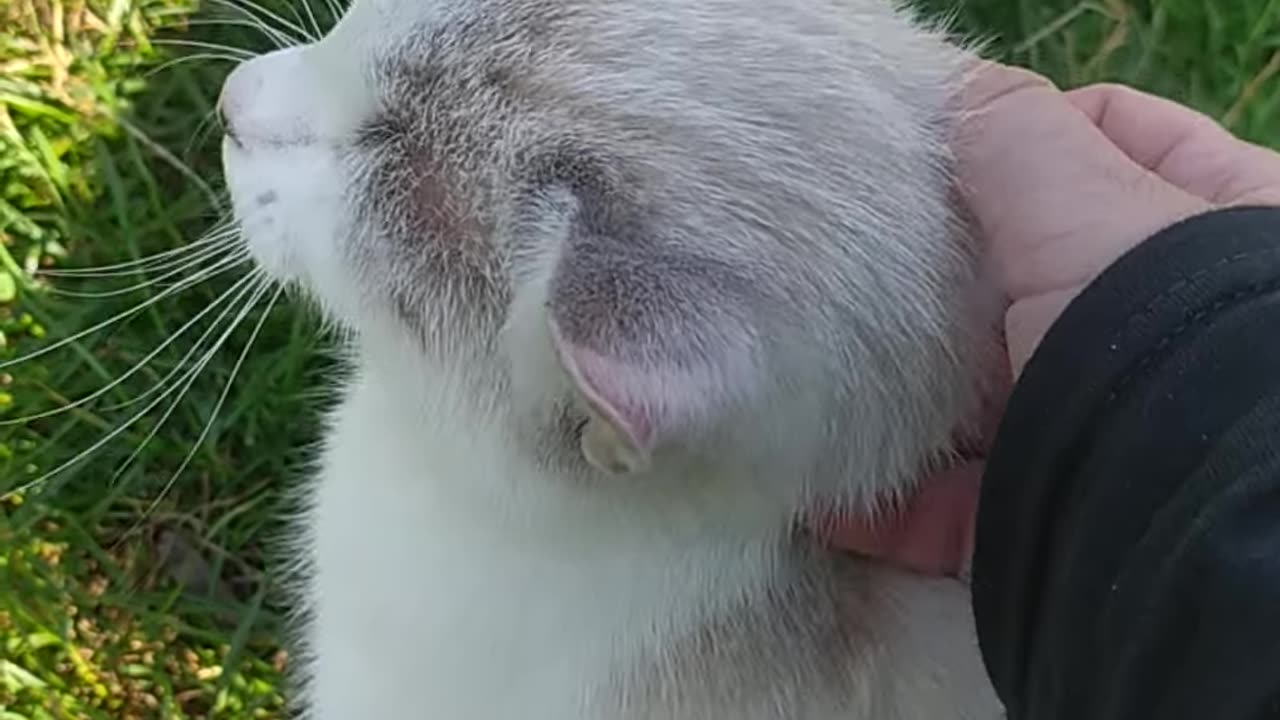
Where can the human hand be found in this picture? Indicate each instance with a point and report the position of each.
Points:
(1060, 186)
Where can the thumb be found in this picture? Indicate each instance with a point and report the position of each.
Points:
(1056, 201)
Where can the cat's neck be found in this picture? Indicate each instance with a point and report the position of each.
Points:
(473, 465)
(429, 445)
(491, 548)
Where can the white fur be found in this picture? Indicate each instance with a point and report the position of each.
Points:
(473, 605)
(448, 577)
(438, 596)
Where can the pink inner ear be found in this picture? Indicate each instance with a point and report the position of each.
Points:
(647, 402)
(605, 384)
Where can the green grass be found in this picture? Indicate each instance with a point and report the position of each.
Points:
(119, 599)
(129, 589)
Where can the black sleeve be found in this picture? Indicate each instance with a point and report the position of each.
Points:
(1127, 562)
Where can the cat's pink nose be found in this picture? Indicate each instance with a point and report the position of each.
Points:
(259, 100)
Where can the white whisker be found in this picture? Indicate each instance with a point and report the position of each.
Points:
(226, 389)
(195, 347)
(163, 153)
(228, 50)
(335, 9)
(315, 26)
(249, 7)
(180, 268)
(188, 379)
(206, 125)
(205, 274)
(192, 374)
(242, 286)
(277, 38)
(190, 58)
(219, 237)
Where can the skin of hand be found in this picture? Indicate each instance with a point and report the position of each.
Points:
(1060, 184)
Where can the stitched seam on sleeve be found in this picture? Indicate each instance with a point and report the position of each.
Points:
(1030, 645)
(1163, 346)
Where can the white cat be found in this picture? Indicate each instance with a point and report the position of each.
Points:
(633, 284)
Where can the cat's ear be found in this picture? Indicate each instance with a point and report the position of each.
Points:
(656, 341)
(623, 405)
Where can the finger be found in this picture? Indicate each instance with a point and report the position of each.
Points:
(932, 534)
(988, 82)
(1054, 198)
(1184, 147)
(1146, 127)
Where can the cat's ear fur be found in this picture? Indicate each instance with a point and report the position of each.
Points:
(657, 339)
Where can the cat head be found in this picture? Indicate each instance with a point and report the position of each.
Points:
(643, 231)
